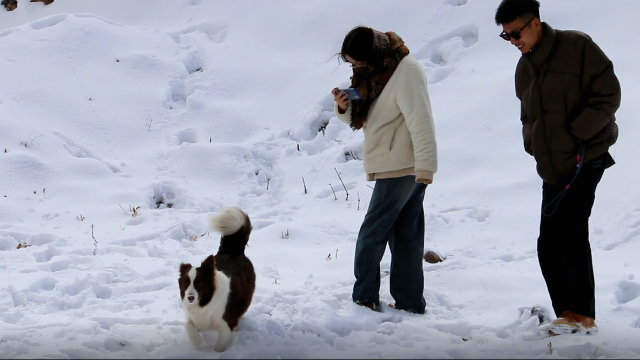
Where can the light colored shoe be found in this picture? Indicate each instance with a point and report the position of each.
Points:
(572, 323)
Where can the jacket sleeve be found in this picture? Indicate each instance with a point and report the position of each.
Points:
(413, 101)
(526, 129)
(346, 117)
(601, 97)
(521, 79)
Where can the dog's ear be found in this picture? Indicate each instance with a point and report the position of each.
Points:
(208, 263)
(184, 268)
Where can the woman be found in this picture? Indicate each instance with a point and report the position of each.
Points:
(400, 154)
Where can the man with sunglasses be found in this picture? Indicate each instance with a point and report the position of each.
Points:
(569, 94)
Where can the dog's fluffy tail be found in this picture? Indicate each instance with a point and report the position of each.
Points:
(235, 227)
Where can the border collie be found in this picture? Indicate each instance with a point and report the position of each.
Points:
(216, 294)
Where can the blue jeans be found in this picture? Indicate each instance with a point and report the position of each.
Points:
(395, 216)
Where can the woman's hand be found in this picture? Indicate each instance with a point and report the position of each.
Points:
(341, 98)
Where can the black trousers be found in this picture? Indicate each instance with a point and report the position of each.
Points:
(564, 251)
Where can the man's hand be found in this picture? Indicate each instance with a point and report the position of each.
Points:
(341, 98)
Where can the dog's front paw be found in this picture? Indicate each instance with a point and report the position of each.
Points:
(193, 334)
(222, 346)
(225, 339)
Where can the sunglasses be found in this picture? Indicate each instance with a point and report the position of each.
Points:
(514, 34)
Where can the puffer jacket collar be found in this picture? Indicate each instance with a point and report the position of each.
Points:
(541, 54)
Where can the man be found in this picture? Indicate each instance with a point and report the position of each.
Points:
(569, 94)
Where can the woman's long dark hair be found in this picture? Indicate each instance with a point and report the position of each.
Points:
(358, 44)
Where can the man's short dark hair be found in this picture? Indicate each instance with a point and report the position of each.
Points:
(510, 10)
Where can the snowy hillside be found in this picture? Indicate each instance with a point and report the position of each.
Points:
(125, 125)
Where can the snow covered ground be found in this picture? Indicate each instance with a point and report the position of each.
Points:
(178, 108)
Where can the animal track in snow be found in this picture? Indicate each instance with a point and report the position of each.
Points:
(194, 59)
(632, 233)
(446, 48)
(81, 152)
(43, 239)
(10, 240)
(318, 134)
(626, 291)
(215, 32)
(179, 91)
(269, 272)
(4, 33)
(45, 283)
(47, 254)
(8, 243)
(87, 284)
(439, 54)
(516, 257)
(272, 217)
(472, 212)
(134, 241)
(625, 239)
(263, 156)
(141, 287)
(166, 195)
(48, 21)
(50, 216)
(108, 322)
(61, 265)
(188, 136)
(316, 120)
(130, 251)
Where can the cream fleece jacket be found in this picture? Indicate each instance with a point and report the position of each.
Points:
(399, 133)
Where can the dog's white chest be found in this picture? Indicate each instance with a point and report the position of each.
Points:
(207, 317)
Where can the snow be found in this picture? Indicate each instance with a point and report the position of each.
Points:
(107, 107)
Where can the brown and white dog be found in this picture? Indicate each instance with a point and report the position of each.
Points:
(216, 294)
